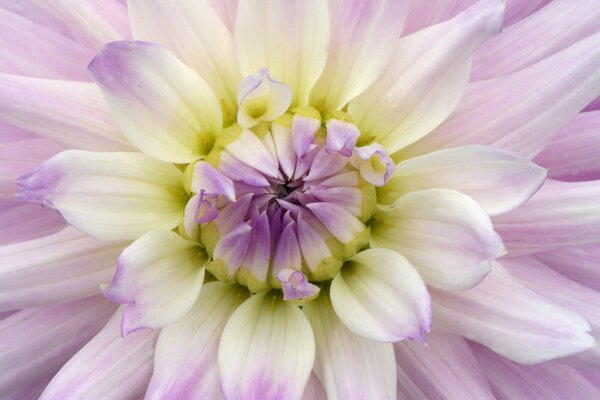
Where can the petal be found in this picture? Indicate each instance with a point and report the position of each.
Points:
(546, 381)
(380, 296)
(424, 13)
(32, 49)
(363, 36)
(251, 151)
(265, 28)
(72, 114)
(261, 98)
(520, 112)
(343, 225)
(93, 22)
(194, 33)
(445, 365)
(162, 106)
(517, 10)
(27, 222)
(108, 367)
(444, 234)
(568, 21)
(159, 277)
(314, 390)
(110, 196)
(498, 180)
(210, 180)
(374, 164)
(36, 342)
(572, 155)
(560, 214)
(185, 361)
(426, 78)
(579, 263)
(518, 324)
(60, 267)
(349, 367)
(226, 10)
(266, 351)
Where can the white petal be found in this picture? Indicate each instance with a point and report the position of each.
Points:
(185, 360)
(363, 37)
(261, 98)
(193, 32)
(289, 38)
(162, 106)
(498, 180)
(518, 324)
(60, 267)
(267, 350)
(444, 234)
(110, 196)
(380, 296)
(108, 367)
(426, 78)
(159, 276)
(349, 367)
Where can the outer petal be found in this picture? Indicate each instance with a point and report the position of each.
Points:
(70, 113)
(30, 48)
(163, 107)
(60, 267)
(445, 366)
(546, 381)
(108, 367)
(266, 325)
(226, 10)
(349, 367)
(38, 341)
(380, 296)
(20, 221)
(579, 263)
(498, 180)
(560, 214)
(363, 38)
(519, 324)
(185, 362)
(288, 37)
(424, 13)
(568, 20)
(517, 10)
(444, 234)
(426, 78)
(195, 34)
(159, 276)
(522, 111)
(110, 196)
(572, 155)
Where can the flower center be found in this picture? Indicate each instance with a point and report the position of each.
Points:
(283, 198)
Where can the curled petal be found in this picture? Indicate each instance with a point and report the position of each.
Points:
(341, 137)
(261, 98)
(295, 286)
(374, 164)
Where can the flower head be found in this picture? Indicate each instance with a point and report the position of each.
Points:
(302, 199)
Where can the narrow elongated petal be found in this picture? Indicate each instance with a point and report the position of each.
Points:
(426, 78)
(162, 106)
(380, 296)
(560, 214)
(498, 180)
(21, 221)
(519, 325)
(159, 276)
(265, 324)
(349, 366)
(522, 111)
(572, 155)
(60, 267)
(185, 360)
(264, 31)
(424, 13)
(110, 196)
(72, 114)
(38, 341)
(32, 49)
(569, 21)
(517, 10)
(446, 365)
(107, 367)
(449, 222)
(546, 381)
(579, 263)
(195, 34)
(363, 37)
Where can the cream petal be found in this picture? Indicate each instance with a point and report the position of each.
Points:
(162, 106)
(264, 32)
(110, 196)
(444, 234)
(266, 351)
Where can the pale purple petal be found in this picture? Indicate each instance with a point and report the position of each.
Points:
(21, 221)
(344, 226)
(303, 133)
(374, 163)
(295, 286)
(210, 180)
(255, 266)
(230, 251)
(341, 137)
(579, 263)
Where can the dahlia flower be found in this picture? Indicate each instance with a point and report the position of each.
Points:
(299, 199)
